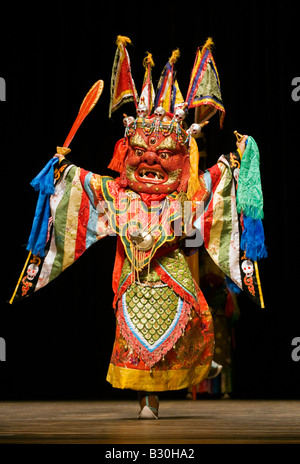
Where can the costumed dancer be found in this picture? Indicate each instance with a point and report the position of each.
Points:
(164, 333)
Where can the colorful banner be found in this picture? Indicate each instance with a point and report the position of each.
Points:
(122, 85)
(204, 92)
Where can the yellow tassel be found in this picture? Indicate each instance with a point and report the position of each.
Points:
(193, 183)
(122, 40)
(208, 44)
(175, 56)
(148, 60)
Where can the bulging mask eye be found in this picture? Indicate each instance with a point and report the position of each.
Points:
(164, 155)
(138, 151)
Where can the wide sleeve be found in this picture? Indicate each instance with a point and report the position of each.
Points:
(78, 218)
(218, 220)
(222, 223)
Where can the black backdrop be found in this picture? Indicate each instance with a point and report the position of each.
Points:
(59, 341)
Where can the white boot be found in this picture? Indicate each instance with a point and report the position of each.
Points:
(215, 370)
(147, 413)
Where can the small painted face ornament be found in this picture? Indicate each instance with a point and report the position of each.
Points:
(156, 163)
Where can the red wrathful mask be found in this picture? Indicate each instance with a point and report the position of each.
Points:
(152, 161)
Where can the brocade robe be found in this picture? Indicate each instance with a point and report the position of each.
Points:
(164, 332)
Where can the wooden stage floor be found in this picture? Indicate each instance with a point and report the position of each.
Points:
(181, 422)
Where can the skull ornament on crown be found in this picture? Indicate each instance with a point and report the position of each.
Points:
(160, 113)
(195, 130)
(128, 120)
(179, 115)
(142, 110)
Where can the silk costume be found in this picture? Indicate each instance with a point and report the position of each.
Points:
(164, 331)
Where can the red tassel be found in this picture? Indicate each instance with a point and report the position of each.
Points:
(120, 152)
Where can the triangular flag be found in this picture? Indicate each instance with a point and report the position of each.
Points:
(122, 88)
(168, 94)
(148, 94)
(204, 92)
(177, 98)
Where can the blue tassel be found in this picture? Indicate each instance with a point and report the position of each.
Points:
(43, 183)
(253, 239)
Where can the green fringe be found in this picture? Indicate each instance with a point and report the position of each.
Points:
(249, 197)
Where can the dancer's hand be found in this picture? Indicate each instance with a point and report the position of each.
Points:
(241, 145)
(60, 157)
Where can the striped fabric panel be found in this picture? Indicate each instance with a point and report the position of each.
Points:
(220, 221)
(70, 221)
(234, 252)
(77, 224)
(52, 265)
